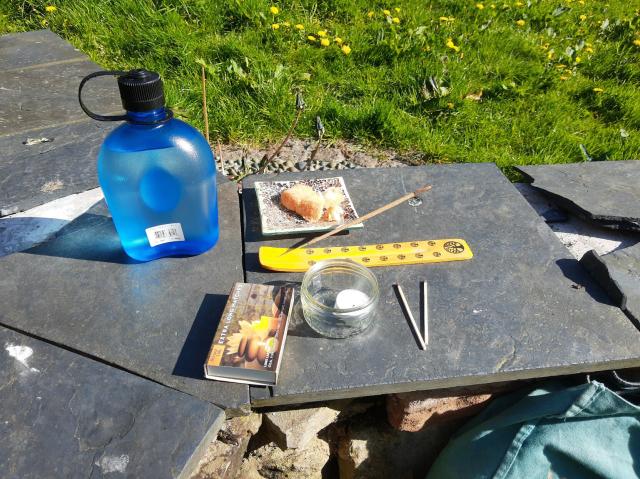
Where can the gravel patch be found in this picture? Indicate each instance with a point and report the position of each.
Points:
(236, 161)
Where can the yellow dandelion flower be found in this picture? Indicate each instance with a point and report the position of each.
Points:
(588, 50)
(518, 4)
(275, 26)
(386, 12)
(397, 9)
(520, 23)
(275, 10)
(564, 77)
(598, 90)
(346, 49)
(479, 6)
(325, 42)
(493, 5)
(452, 45)
(583, 17)
(578, 59)
(447, 19)
(286, 24)
(450, 106)
(338, 40)
(311, 38)
(550, 55)
(395, 20)
(636, 42)
(50, 8)
(370, 14)
(299, 26)
(581, 2)
(322, 33)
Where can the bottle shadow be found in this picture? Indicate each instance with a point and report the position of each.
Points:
(91, 236)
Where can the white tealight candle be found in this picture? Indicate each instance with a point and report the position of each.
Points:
(351, 298)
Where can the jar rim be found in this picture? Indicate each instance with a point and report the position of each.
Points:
(349, 264)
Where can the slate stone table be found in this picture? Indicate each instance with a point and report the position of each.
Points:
(618, 273)
(48, 145)
(606, 193)
(521, 308)
(66, 416)
(157, 319)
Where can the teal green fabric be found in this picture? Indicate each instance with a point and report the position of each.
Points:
(554, 432)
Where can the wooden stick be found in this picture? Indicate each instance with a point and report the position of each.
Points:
(266, 159)
(369, 215)
(414, 326)
(205, 113)
(425, 313)
(320, 131)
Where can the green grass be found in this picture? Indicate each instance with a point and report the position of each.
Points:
(537, 80)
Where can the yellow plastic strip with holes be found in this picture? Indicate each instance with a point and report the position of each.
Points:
(389, 254)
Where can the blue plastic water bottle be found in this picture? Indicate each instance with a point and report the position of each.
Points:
(157, 174)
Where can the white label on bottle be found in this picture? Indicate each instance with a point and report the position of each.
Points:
(162, 234)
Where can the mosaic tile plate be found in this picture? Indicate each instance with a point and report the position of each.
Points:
(277, 220)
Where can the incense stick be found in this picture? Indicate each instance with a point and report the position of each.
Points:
(204, 105)
(425, 313)
(414, 326)
(369, 215)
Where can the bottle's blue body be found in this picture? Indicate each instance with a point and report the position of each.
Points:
(159, 182)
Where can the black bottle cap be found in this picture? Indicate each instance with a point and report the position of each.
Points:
(141, 90)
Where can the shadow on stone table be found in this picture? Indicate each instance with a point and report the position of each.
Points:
(194, 352)
(574, 271)
(91, 236)
(21, 233)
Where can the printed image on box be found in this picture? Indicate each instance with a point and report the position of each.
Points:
(248, 345)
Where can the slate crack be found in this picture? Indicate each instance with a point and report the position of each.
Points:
(13, 380)
(508, 358)
(84, 354)
(130, 426)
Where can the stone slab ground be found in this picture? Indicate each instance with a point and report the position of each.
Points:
(64, 415)
(604, 192)
(48, 144)
(156, 319)
(522, 308)
(618, 273)
(578, 235)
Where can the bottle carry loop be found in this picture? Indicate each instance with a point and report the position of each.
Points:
(91, 114)
(96, 116)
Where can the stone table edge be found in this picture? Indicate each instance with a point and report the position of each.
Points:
(437, 384)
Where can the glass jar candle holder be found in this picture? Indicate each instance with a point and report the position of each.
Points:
(339, 298)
